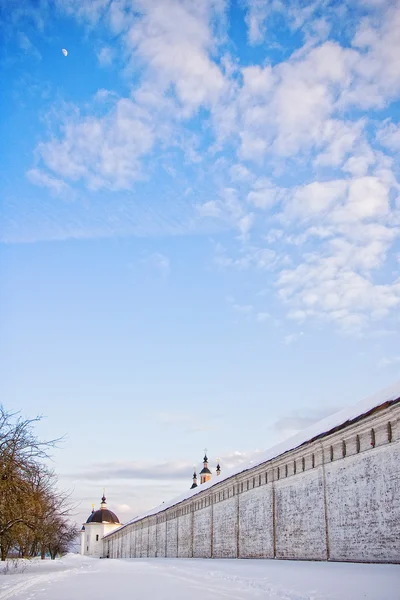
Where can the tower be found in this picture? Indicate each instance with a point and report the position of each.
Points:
(218, 467)
(99, 523)
(205, 473)
(194, 484)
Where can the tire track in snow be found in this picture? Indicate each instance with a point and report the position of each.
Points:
(36, 580)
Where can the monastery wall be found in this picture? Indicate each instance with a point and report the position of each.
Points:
(334, 498)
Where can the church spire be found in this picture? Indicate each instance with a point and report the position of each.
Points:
(218, 467)
(194, 484)
(205, 473)
(103, 500)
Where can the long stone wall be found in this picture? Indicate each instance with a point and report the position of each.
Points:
(334, 498)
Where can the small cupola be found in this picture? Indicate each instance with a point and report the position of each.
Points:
(205, 473)
(194, 484)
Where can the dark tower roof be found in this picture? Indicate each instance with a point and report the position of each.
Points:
(194, 484)
(103, 515)
(205, 470)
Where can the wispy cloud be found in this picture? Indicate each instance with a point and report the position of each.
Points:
(291, 338)
(134, 470)
(286, 154)
(54, 184)
(158, 262)
(186, 421)
(392, 361)
(27, 46)
(296, 420)
(105, 56)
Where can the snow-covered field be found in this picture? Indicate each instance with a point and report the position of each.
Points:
(75, 577)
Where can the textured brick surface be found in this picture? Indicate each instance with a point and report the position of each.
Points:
(225, 529)
(185, 536)
(364, 506)
(132, 547)
(152, 540)
(161, 536)
(300, 520)
(202, 533)
(172, 540)
(256, 524)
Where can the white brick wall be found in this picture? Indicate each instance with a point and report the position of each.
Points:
(337, 497)
(225, 529)
(161, 538)
(256, 523)
(185, 536)
(172, 539)
(202, 533)
(364, 519)
(299, 516)
(152, 539)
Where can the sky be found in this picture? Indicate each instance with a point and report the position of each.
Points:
(199, 228)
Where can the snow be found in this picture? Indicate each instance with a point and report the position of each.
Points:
(389, 394)
(77, 577)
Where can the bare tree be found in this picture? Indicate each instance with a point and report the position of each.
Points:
(32, 510)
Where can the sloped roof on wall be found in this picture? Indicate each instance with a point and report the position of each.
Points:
(321, 428)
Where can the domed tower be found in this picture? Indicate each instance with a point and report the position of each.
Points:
(194, 484)
(98, 524)
(205, 473)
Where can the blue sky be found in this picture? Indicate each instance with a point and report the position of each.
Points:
(199, 232)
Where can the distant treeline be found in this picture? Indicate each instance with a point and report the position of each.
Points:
(34, 514)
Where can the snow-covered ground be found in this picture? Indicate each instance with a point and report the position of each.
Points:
(75, 577)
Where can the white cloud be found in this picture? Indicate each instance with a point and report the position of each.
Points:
(385, 362)
(289, 122)
(360, 162)
(262, 317)
(55, 185)
(105, 56)
(174, 39)
(377, 76)
(328, 287)
(315, 199)
(389, 136)
(25, 44)
(250, 257)
(159, 262)
(292, 337)
(368, 198)
(243, 308)
(209, 209)
(245, 224)
(256, 16)
(239, 172)
(264, 194)
(296, 421)
(339, 139)
(103, 152)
